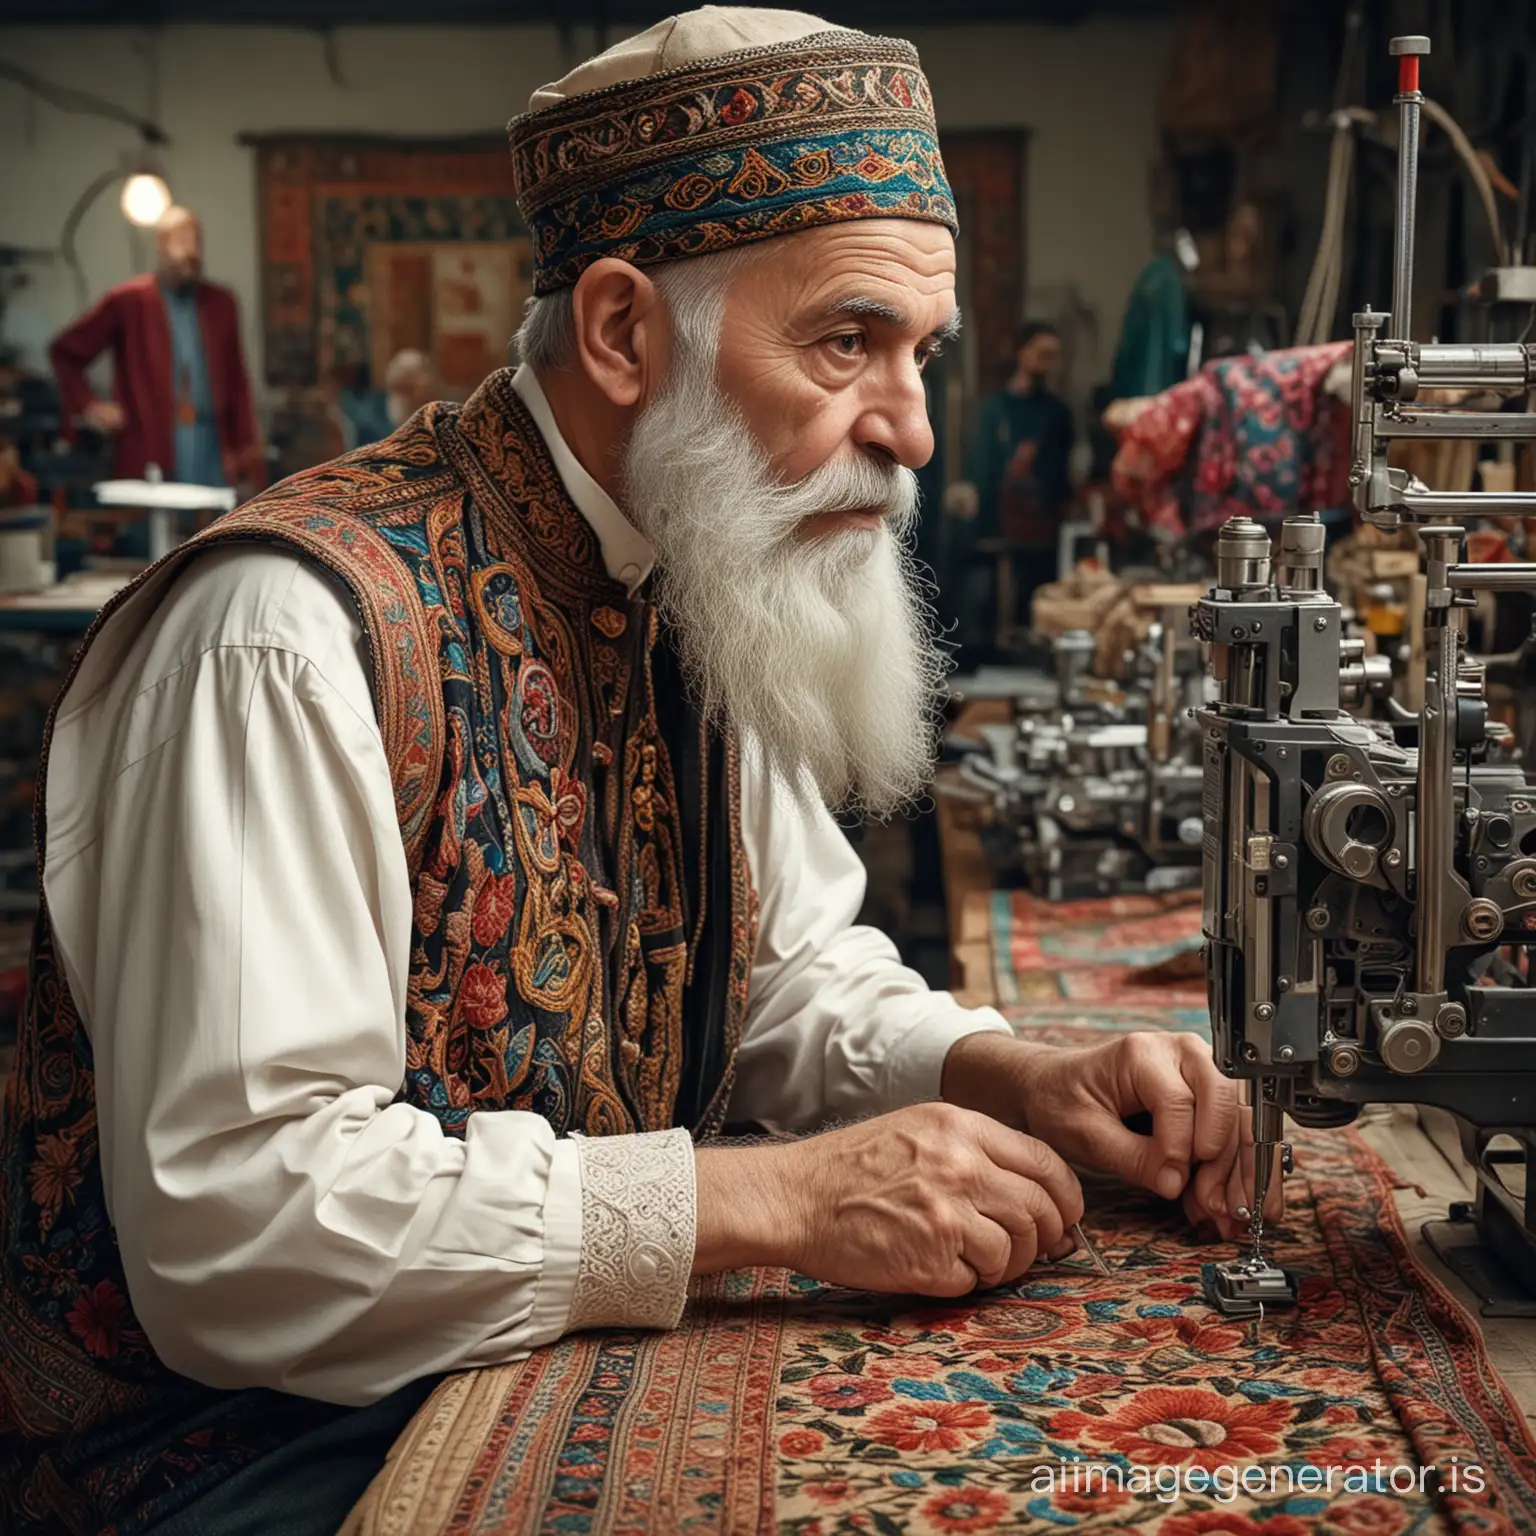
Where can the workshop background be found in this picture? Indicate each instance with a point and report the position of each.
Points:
(1170, 211)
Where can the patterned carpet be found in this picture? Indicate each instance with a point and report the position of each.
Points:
(1131, 950)
(1071, 1401)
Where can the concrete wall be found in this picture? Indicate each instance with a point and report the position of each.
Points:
(1086, 94)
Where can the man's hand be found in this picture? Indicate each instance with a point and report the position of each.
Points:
(106, 415)
(1077, 1099)
(933, 1199)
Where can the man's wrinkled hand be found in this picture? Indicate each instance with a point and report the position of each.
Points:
(1077, 1100)
(932, 1199)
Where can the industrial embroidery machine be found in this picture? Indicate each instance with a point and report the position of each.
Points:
(1088, 793)
(1369, 887)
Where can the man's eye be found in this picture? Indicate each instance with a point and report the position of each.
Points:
(848, 344)
(927, 352)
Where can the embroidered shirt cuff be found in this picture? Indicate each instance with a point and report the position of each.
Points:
(638, 1230)
(914, 1070)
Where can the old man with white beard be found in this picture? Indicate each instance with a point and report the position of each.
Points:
(437, 855)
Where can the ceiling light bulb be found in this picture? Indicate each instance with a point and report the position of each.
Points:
(145, 198)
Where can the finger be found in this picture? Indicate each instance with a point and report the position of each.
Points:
(986, 1247)
(1206, 1196)
(1029, 1216)
(1155, 1077)
(1218, 1103)
(958, 1280)
(1032, 1159)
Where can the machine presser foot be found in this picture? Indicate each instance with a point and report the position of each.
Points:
(1247, 1287)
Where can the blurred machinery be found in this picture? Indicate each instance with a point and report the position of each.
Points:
(1093, 788)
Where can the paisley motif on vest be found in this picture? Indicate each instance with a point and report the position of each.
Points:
(582, 935)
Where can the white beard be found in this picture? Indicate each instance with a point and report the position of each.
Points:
(816, 649)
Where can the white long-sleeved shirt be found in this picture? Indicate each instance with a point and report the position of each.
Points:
(230, 900)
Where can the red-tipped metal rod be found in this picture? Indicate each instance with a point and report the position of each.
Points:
(1408, 51)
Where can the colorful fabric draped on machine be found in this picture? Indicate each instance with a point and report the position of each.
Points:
(1247, 436)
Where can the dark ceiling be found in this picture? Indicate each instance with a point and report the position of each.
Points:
(323, 14)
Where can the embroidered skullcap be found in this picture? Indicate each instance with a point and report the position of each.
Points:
(718, 127)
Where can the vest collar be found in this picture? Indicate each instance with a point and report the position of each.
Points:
(627, 552)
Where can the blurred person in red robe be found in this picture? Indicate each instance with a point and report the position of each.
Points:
(181, 397)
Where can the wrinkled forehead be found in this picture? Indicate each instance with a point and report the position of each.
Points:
(898, 270)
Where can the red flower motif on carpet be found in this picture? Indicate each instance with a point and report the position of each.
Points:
(1368, 1515)
(930, 1426)
(966, 1509)
(1359, 1450)
(97, 1318)
(1179, 1425)
(835, 1391)
(908, 1367)
(1223, 1522)
(1188, 1331)
(801, 1442)
(1169, 1290)
(826, 1490)
(1092, 1385)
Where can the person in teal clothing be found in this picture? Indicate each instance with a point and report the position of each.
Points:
(1017, 483)
(1153, 352)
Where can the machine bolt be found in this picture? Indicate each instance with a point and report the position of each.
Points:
(1340, 766)
(1451, 1021)
(1285, 1053)
(1238, 632)
(1518, 805)
(1483, 919)
(1524, 882)
(1282, 983)
(1281, 861)
(1392, 858)
(1409, 1005)
(1250, 1052)
(1282, 753)
(1343, 1060)
(1257, 627)
(1395, 790)
(1318, 919)
(1319, 623)
(1264, 1012)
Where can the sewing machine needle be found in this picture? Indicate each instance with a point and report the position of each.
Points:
(1088, 1248)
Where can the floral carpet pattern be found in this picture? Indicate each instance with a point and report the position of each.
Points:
(1072, 1401)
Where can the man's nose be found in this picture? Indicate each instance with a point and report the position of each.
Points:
(894, 424)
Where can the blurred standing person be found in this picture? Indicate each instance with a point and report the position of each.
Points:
(410, 382)
(1017, 485)
(181, 396)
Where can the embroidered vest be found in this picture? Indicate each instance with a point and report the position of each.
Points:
(582, 935)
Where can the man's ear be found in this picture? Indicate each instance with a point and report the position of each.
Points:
(620, 343)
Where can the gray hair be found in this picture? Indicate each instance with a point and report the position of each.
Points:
(693, 289)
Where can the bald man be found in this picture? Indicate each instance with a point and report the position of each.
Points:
(181, 399)
(410, 382)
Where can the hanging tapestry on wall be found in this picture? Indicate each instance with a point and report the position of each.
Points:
(370, 246)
